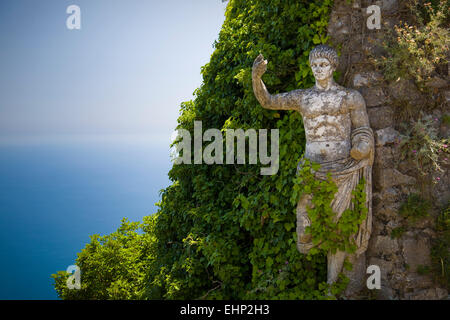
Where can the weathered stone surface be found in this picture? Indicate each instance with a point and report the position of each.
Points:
(339, 25)
(356, 4)
(389, 5)
(391, 225)
(386, 267)
(386, 213)
(374, 96)
(441, 293)
(384, 157)
(437, 83)
(366, 79)
(383, 245)
(378, 227)
(356, 57)
(413, 281)
(429, 233)
(406, 166)
(389, 196)
(416, 253)
(386, 293)
(447, 95)
(406, 91)
(357, 275)
(429, 294)
(424, 223)
(387, 178)
(386, 136)
(380, 117)
(373, 46)
(389, 22)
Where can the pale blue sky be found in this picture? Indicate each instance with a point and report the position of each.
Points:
(125, 72)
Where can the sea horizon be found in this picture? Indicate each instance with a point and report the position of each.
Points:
(58, 190)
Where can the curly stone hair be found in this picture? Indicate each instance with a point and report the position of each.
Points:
(324, 51)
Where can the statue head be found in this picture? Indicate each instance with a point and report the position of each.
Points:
(323, 60)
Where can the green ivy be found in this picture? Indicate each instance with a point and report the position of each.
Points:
(327, 233)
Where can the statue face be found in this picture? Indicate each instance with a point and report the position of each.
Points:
(322, 68)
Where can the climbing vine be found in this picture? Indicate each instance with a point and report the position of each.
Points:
(327, 233)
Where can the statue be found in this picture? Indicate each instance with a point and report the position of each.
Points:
(339, 138)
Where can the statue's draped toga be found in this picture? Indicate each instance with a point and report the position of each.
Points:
(346, 173)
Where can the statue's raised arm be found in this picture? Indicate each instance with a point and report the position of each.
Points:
(282, 101)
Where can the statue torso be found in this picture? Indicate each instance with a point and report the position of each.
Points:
(327, 122)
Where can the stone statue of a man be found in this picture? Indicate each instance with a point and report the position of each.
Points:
(338, 137)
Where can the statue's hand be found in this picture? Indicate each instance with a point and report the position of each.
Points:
(360, 150)
(259, 66)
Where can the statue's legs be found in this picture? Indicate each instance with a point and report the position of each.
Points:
(335, 261)
(357, 275)
(304, 243)
(335, 264)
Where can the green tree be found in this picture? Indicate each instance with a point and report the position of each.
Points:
(112, 266)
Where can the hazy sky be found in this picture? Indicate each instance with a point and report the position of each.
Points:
(125, 72)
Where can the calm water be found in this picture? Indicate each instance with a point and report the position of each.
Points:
(53, 195)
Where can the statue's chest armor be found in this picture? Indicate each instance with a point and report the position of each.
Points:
(326, 116)
(324, 103)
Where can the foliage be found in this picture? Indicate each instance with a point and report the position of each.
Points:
(423, 270)
(446, 119)
(424, 45)
(440, 252)
(398, 232)
(225, 231)
(421, 145)
(327, 233)
(414, 208)
(112, 266)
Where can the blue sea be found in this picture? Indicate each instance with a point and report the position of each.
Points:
(54, 193)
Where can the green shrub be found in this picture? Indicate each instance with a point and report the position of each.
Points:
(112, 266)
(421, 145)
(446, 119)
(415, 208)
(424, 45)
(397, 232)
(423, 270)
